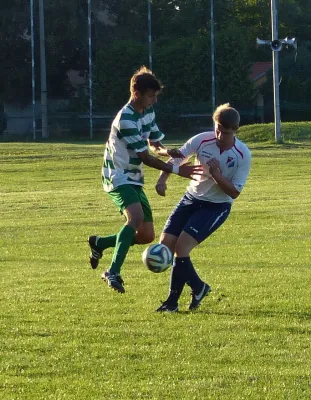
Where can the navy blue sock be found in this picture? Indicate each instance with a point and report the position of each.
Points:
(193, 279)
(178, 279)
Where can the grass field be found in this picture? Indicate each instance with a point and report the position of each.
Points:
(65, 335)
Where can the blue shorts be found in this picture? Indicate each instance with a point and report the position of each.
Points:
(198, 218)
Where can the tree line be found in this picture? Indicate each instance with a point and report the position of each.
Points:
(181, 49)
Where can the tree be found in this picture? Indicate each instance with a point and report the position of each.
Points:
(295, 84)
(15, 56)
(181, 46)
(66, 46)
(114, 67)
(233, 67)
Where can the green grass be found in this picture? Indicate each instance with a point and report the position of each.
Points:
(290, 132)
(65, 335)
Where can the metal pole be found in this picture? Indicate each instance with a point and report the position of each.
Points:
(33, 77)
(44, 113)
(89, 19)
(213, 57)
(275, 63)
(149, 35)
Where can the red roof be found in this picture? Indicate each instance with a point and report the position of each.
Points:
(260, 69)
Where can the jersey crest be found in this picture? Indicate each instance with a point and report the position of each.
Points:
(230, 162)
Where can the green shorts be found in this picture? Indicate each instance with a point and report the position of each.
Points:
(125, 195)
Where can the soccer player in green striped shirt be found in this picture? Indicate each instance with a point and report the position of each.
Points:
(133, 132)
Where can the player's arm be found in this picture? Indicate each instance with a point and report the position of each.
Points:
(186, 170)
(161, 183)
(156, 145)
(187, 150)
(160, 150)
(225, 184)
(161, 186)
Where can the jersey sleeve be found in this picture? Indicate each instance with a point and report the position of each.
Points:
(240, 177)
(188, 150)
(155, 134)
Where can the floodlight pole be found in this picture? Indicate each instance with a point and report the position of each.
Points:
(89, 19)
(213, 57)
(33, 77)
(276, 46)
(44, 102)
(149, 35)
(275, 63)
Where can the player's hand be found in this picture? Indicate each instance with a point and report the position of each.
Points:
(214, 166)
(175, 153)
(190, 171)
(161, 188)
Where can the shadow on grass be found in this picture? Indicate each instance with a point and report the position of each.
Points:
(287, 145)
(301, 316)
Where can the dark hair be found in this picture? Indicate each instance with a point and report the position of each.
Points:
(227, 116)
(143, 80)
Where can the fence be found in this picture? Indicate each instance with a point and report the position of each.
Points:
(93, 47)
(75, 126)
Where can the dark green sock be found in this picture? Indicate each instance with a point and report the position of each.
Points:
(124, 241)
(105, 242)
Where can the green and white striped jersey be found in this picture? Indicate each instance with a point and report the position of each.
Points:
(129, 135)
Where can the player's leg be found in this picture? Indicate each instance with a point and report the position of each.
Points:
(122, 196)
(127, 199)
(138, 229)
(201, 219)
(98, 244)
(199, 227)
(169, 241)
(172, 229)
(145, 232)
(184, 243)
(125, 238)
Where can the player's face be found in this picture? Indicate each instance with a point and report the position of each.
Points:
(224, 136)
(147, 99)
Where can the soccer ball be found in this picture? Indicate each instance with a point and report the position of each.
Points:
(157, 258)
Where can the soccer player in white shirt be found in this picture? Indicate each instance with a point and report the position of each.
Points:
(133, 131)
(207, 202)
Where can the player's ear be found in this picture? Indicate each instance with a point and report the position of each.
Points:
(136, 94)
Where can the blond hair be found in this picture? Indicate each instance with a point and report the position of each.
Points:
(227, 116)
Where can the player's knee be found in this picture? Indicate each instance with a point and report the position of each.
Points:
(169, 241)
(136, 221)
(148, 237)
(145, 238)
(181, 250)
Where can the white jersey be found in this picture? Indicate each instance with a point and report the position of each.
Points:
(129, 135)
(234, 165)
